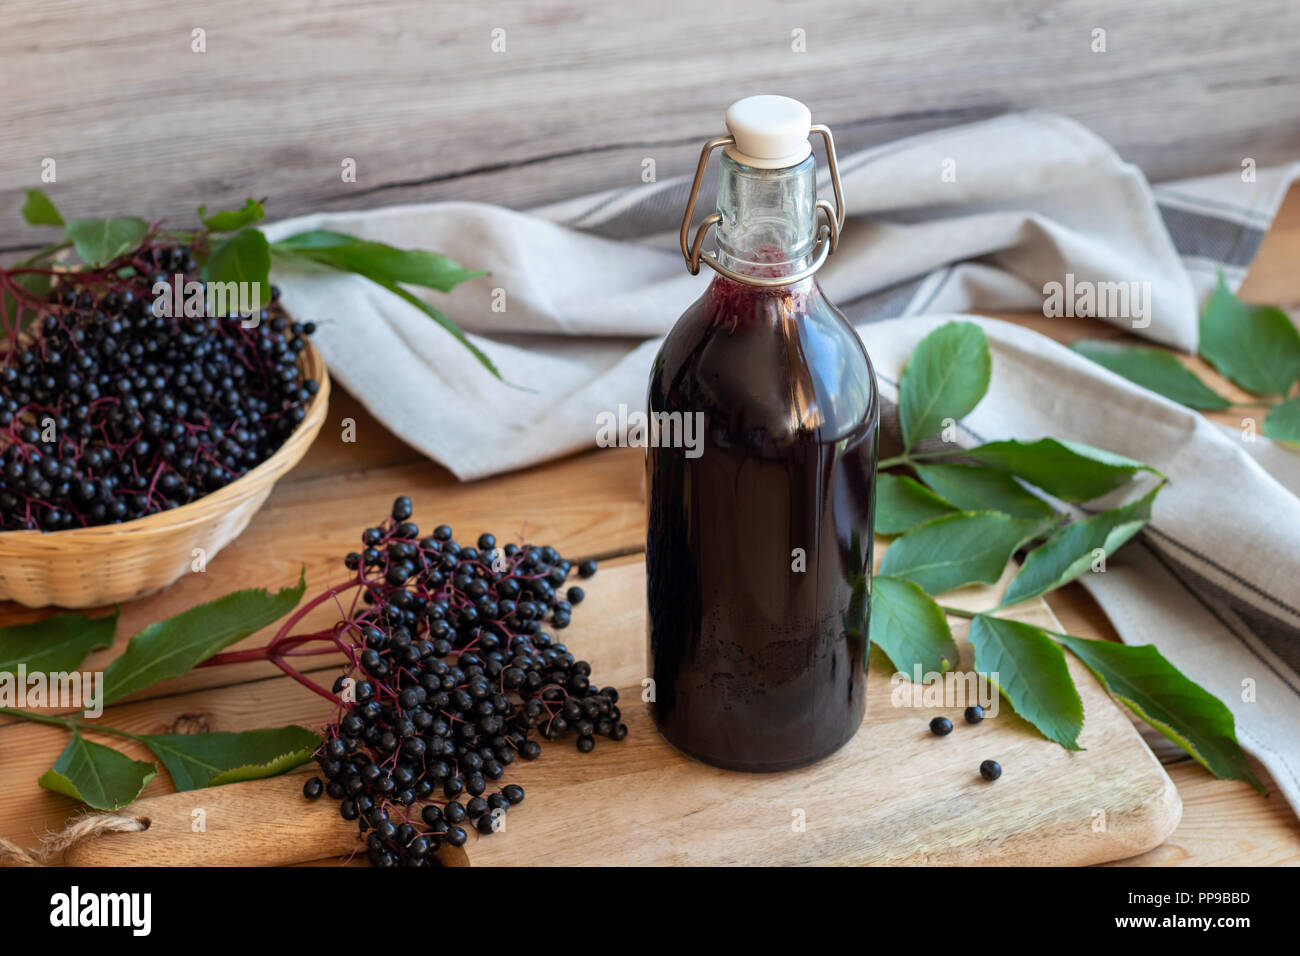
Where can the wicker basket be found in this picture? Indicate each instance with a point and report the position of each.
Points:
(86, 567)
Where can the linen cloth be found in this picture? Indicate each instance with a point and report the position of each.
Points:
(975, 218)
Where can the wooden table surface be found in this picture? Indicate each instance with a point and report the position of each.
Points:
(585, 93)
(586, 505)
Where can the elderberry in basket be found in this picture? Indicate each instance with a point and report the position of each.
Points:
(452, 675)
(110, 412)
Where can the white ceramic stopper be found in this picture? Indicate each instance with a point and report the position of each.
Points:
(771, 131)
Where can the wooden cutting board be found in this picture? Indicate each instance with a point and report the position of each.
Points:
(895, 794)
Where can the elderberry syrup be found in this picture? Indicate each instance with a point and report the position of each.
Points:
(759, 546)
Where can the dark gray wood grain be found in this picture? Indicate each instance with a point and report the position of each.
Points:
(584, 92)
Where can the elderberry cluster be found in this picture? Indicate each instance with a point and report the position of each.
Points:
(113, 412)
(452, 675)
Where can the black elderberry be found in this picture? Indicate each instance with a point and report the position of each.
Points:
(990, 770)
(587, 568)
(352, 725)
(974, 714)
(456, 836)
(941, 726)
(461, 676)
(313, 788)
(413, 748)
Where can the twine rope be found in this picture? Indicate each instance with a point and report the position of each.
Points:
(56, 844)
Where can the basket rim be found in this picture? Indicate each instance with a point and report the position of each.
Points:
(202, 509)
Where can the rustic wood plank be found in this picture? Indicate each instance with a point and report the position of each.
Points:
(582, 93)
(642, 802)
(1273, 275)
(1225, 823)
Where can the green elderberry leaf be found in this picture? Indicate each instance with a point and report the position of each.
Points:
(212, 759)
(1030, 671)
(39, 210)
(964, 548)
(1256, 346)
(233, 219)
(100, 241)
(979, 488)
(902, 503)
(55, 644)
(1073, 549)
(98, 776)
(244, 257)
(1160, 694)
(1283, 421)
(909, 627)
(1156, 370)
(1071, 471)
(382, 263)
(946, 376)
(172, 647)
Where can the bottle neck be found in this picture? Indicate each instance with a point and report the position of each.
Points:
(769, 216)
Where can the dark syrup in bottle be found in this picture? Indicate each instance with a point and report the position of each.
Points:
(759, 540)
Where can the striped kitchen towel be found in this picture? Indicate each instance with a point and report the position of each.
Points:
(984, 217)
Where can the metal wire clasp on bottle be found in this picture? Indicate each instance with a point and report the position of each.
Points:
(828, 234)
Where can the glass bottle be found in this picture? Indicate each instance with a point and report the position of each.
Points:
(759, 538)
